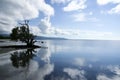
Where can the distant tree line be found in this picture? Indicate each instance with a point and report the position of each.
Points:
(4, 37)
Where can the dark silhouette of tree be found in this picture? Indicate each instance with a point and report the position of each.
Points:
(15, 34)
(23, 34)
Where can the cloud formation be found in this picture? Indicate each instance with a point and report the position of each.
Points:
(12, 11)
(71, 5)
(59, 1)
(104, 2)
(47, 28)
(114, 10)
(74, 5)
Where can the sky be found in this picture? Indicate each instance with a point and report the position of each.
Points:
(73, 19)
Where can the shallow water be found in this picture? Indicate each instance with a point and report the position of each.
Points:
(63, 60)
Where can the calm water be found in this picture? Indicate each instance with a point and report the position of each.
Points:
(63, 60)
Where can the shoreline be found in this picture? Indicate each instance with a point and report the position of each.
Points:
(7, 43)
(20, 46)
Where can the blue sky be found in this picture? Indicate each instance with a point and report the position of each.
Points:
(75, 19)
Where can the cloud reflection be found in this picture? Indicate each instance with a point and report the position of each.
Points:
(113, 69)
(38, 73)
(45, 53)
(35, 70)
(75, 74)
(79, 61)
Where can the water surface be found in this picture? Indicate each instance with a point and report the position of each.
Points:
(63, 60)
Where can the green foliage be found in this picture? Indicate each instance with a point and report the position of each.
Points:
(4, 37)
(23, 34)
(15, 34)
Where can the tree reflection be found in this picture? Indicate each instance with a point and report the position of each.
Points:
(22, 58)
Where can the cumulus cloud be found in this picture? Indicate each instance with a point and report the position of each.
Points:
(45, 25)
(12, 11)
(74, 5)
(47, 28)
(59, 1)
(114, 10)
(104, 2)
(71, 5)
(36, 30)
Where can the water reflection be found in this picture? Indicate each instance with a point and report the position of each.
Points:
(75, 74)
(30, 64)
(114, 69)
(22, 58)
(65, 60)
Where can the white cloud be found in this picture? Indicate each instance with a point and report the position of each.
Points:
(59, 1)
(74, 5)
(36, 30)
(82, 17)
(46, 28)
(12, 11)
(45, 25)
(115, 10)
(75, 74)
(71, 5)
(79, 17)
(43, 6)
(104, 2)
